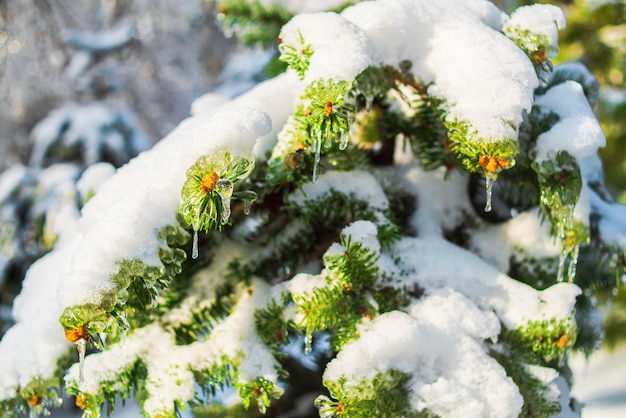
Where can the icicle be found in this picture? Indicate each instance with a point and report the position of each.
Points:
(573, 263)
(488, 190)
(344, 138)
(369, 102)
(225, 190)
(560, 275)
(81, 346)
(308, 344)
(327, 143)
(317, 151)
(34, 412)
(247, 204)
(194, 247)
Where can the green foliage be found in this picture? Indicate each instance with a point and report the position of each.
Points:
(385, 395)
(544, 341)
(126, 385)
(476, 155)
(253, 22)
(213, 379)
(327, 114)
(297, 57)
(334, 210)
(260, 392)
(272, 326)
(533, 390)
(207, 192)
(205, 317)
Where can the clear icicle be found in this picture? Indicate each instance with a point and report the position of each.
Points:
(573, 263)
(247, 204)
(225, 190)
(194, 247)
(560, 275)
(308, 344)
(344, 138)
(317, 152)
(488, 192)
(81, 346)
(33, 412)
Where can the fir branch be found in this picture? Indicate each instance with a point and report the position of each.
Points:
(385, 395)
(253, 22)
(260, 392)
(543, 341)
(536, 405)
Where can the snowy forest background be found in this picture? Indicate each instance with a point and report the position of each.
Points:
(133, 70)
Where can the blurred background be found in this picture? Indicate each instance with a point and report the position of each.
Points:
(98, 81)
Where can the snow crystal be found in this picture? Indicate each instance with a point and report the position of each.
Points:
(577, 131)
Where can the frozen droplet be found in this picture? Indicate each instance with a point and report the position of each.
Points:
(308, 344)
(327, 143)
(194, 246)
(247, 204)
(224, 189)
(488, 192)
(81, 347)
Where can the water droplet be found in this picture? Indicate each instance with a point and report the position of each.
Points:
(224, 189)
(194, 247)
(81, 346)
(308, 344)
(247, 204)
(488, 191)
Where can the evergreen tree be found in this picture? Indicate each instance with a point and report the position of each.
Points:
(410, 221)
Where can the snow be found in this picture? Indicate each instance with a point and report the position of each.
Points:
(539, 19)
(339, 60)
(101, 41)
(439, 340)
(440, 333)
(124, 210)
(37, 336)
(433, 263)
(304, 6)
(578, 131)
(524, 234)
